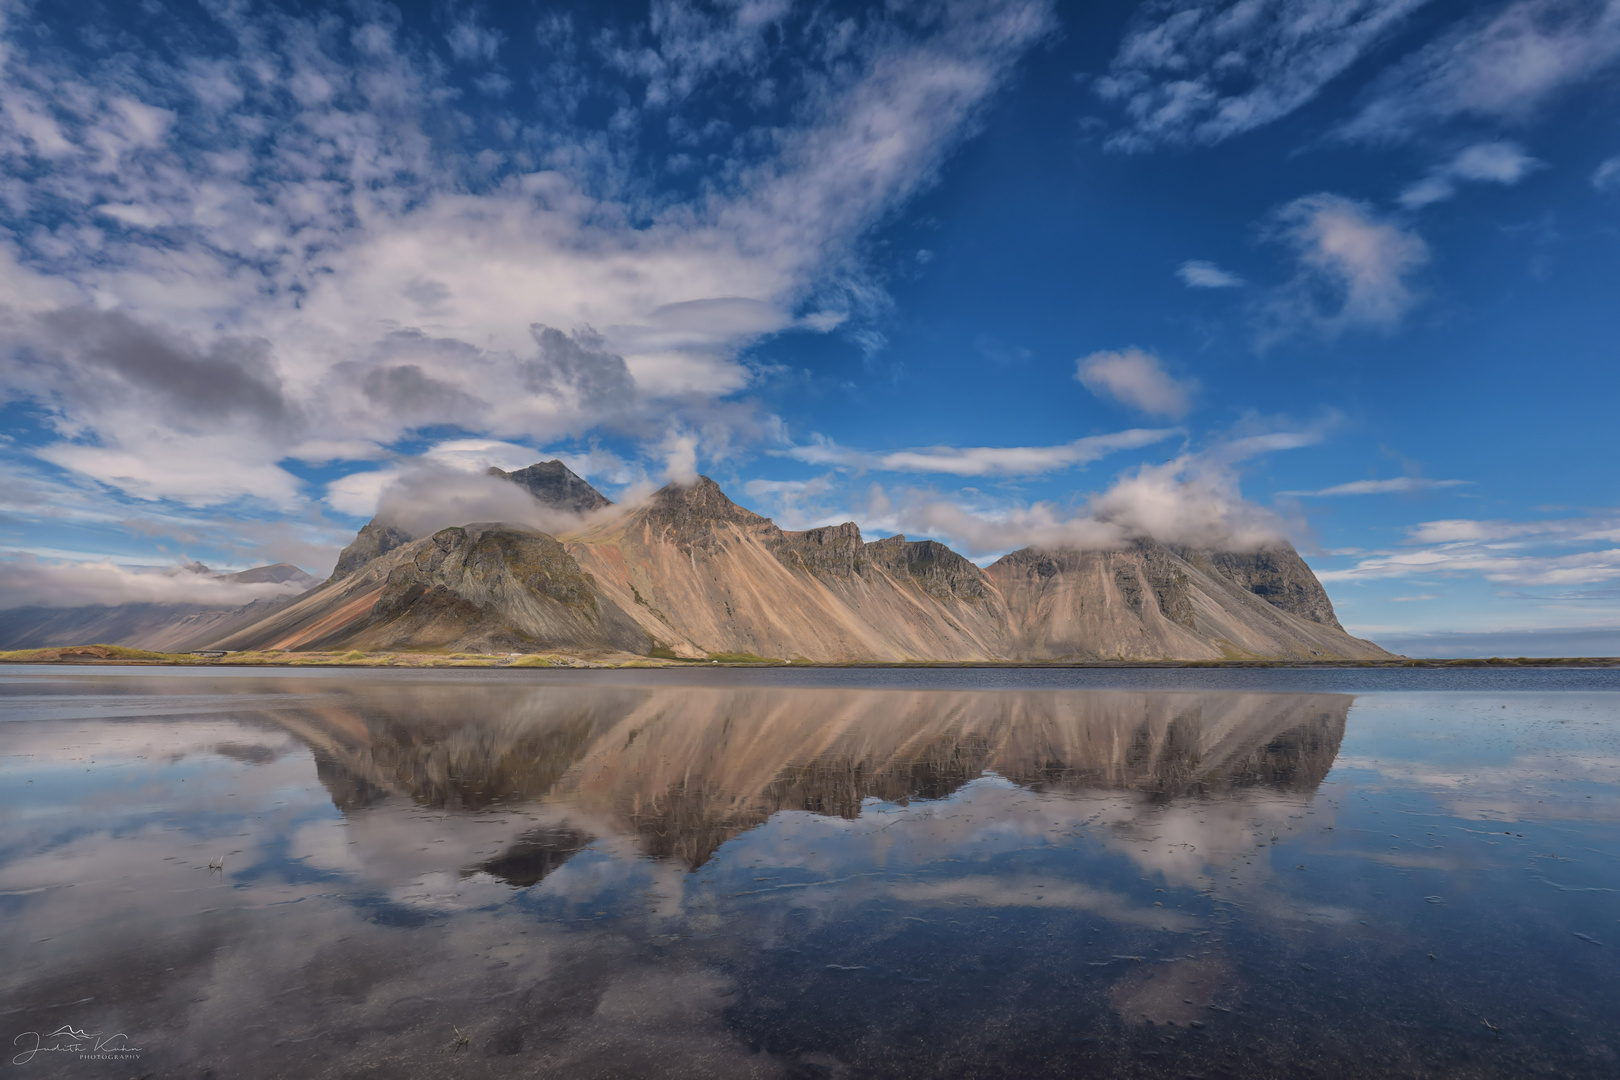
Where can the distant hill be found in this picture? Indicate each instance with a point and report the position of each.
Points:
(164, 627)
(690, 573)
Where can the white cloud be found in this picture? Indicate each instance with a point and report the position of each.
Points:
(1503, 552)
(361, 493)
(979, 460)
(1354, 266)
(1503, 163)
(1195, 72)
(1193, 499)
(1502, 65)
(1136, 379)
(1584, 568)
(471, 42)
(1564, 530)
(373, 279)
(1396, 485)
(1606, 177)
(27, 580)
(1198, 274)
(194, 470)
(688, 47)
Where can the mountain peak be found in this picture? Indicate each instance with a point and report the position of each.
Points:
(556, 485)
(700, 501)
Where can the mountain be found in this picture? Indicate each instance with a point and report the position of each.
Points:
(691, 572)
(164, 627)
(555, 485)
(1149, 600)
(682, 769)
(552, 484)
(483, 587)
(703, 575)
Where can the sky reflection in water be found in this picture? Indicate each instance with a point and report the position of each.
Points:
(632, 879)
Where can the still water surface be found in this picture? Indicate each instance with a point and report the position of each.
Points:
(809, 874)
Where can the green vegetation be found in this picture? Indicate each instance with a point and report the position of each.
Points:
(743, 658)
(92, 653)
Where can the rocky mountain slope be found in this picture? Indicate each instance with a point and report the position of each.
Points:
(692, 573)
(1149, 600)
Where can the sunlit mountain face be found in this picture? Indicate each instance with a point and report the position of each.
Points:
(791, 874)
(996, 274)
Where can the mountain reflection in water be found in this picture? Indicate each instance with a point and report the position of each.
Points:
(283, 875)
(685, 770)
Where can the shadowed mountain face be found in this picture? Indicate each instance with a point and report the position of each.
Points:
(691, 572)
(680, 771)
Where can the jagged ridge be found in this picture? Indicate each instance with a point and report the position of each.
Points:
(692, 572)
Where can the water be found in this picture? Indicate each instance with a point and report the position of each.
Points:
(810, 874)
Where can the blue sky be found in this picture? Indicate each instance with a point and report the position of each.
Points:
(999, 272)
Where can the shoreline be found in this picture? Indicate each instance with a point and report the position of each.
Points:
(117, 655)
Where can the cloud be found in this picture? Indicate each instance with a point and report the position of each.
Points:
(1421, 597)
(1503, 163)
(1397, 485)
(1193, 499)
(1354, 267)
(979, 460)
(1194, 72)
(471, 42)
(190, 303)
(689, 47)
(1500, 66)
(362, 494)
(450, 485)
(1606, 177)
(426, 497)
(1135, 379)
(1579, 569)
(1534, 641)
(1197, 274)
(1503, 552)
(1565, 530)
(26, 580)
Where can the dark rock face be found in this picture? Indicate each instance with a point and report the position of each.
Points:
(935, 568)
(498, 587)
(373, 539)
(1171, 590)
(554, 484)
(830, 551)
(1277, 575)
